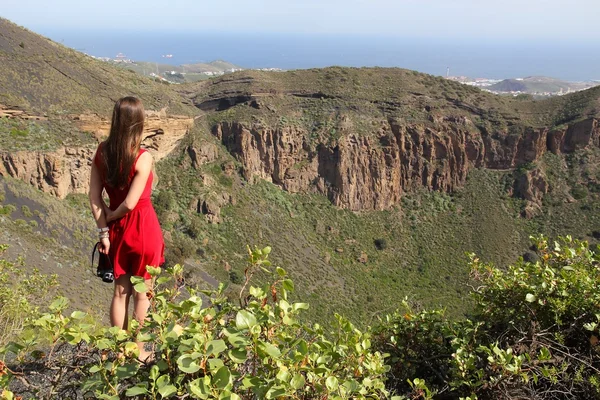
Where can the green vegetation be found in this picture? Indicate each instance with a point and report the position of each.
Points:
(54, 236)
(22, 294)
(258, 349)
(533, 333)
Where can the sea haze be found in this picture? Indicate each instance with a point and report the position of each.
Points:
(469, 57)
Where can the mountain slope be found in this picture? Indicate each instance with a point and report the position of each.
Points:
(35, 70)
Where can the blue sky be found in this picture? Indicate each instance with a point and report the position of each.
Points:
(574, 20)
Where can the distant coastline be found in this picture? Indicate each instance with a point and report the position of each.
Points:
(492, 60)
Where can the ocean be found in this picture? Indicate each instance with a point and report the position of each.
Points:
(494, 59)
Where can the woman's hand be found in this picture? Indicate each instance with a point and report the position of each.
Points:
(108, 213)
(104, 246)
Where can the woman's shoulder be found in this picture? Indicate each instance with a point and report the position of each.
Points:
(144, 159)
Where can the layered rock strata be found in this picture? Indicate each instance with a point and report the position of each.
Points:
(372, 172)
(67, 169)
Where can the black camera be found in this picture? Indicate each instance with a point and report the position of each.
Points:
(104, 269)
(106, 274)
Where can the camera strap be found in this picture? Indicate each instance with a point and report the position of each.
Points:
(101, 257)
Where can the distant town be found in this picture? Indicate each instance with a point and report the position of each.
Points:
(177, 74)
(536, 86)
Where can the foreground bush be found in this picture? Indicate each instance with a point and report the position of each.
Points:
(21, 295)
(206, 347)
(533, 334)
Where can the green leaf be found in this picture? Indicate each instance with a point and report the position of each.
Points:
(163, 380)
(267, 250)
(351, 386)
(167, 391)
(275, 391)
(271, 350)
(215, 363)
(59, 304)
(153, 271)
(238, 340)
(244, 320)
(300, 306)
(288, 285)
(281, 272)
(222, 377)
(95, 368)
(590, 326)
(163, 280)
(238, 356)
(154, 372)
(227, 395)
(199, 388)
(251, 381)
(215, 347)
(530, 297)
(302, 347)
(137, 390)
(78, 315)
(127, 370)
(331, 383)
(103, 344)
(140, 287)
(257, 292)
(297, 381)
(187, 364)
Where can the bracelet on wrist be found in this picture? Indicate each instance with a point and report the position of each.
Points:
(101, 230)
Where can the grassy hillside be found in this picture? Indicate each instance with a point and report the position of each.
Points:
(41, 75)
(404, 94)
(56, 237)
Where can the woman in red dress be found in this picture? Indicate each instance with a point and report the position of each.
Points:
(128, 228)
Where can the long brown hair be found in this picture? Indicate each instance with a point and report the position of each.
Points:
(121, 148)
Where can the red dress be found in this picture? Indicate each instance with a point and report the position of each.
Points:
(136, 239)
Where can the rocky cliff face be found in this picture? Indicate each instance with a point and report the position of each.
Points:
(161, 132)
(371, 172)
(64, 171)
(67, 169)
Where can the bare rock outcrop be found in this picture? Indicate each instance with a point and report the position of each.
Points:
(373, 171)
(210, 206)
(531, 186)
(161, 132)
(67, 169)
(204, 154)
(64, 171)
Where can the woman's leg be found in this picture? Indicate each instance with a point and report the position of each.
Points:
(120, 302)
(141, 303)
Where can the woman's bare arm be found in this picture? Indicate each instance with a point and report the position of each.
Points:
(97, 204)
(143, 167)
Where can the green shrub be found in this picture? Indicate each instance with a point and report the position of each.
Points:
(164, 201)
(7, 209)
(219, 350)
(579, 192)
(26, 211)
(380, 244)
(21, 295)
(534, 332)
(235, 277)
